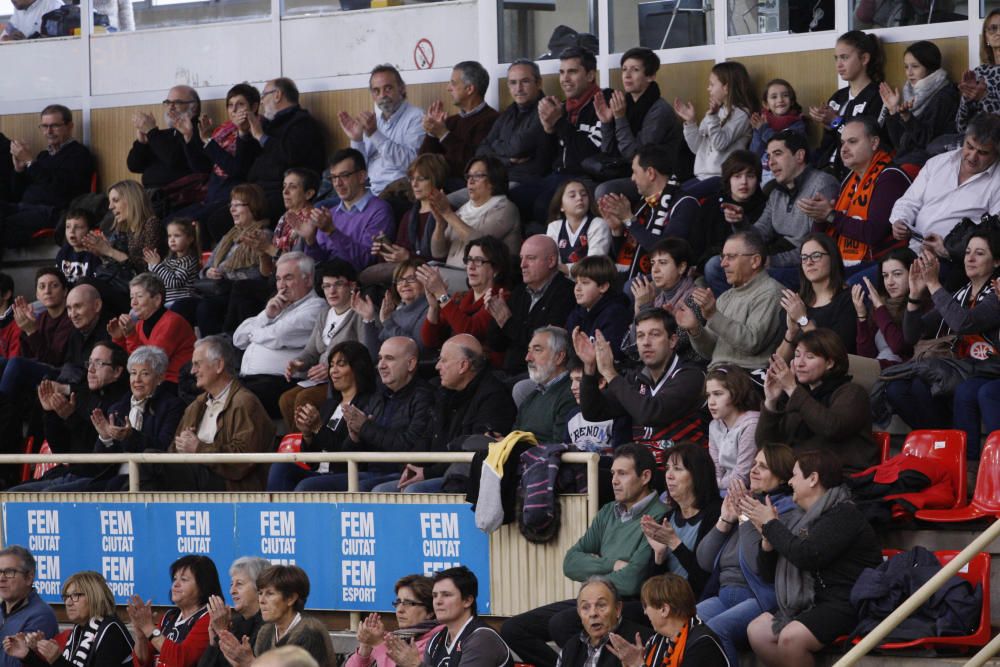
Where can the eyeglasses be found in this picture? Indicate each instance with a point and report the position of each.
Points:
(419, 179)
(343, 176)
(11, 572)
(476, 261)
(406, 280)
(75, 597)
(813, 257)
(731, 256)
(406, 603)
(337, 284)
(993, 28)
(475, 178)
(177, 103)
(45, 127)
(268, 92)
(94, 364)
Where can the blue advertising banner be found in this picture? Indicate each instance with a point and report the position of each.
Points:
(353, 552)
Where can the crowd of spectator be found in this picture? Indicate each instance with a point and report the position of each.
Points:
(687, 298)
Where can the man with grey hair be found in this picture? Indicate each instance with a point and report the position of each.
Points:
(22, 610)
(389, 136)
(159, 154)
(279, 333)
(470, 401)
(225, 418)
(600, 609)
(963, 183)
(458, 136)
(546, 408)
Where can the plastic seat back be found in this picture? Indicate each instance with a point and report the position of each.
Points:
(986, 495)
(42, 468)
(882, 440)
(946, 446)
(292, 444)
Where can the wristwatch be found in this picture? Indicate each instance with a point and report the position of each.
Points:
(154, 634)
(443, 299)
(802, 321)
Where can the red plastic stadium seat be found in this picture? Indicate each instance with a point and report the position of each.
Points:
(205, 256)
(292, 443)
(946, 446)
(93, 182)
(43, 234)
(29, 448)
(985, 497)
(42, 468)
(976, 572)
(882, 440)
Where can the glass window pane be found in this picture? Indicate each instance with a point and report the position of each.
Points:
(6, 8)
(892, 13)
(301, 7)
(759, 17)
(987, 6)
(661, 24)
(540, 29)
(165, 13)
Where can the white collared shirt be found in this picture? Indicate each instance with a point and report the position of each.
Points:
(210, 418)
(935, 202)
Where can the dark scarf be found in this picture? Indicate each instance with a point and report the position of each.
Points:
(575, 104)
(421, 243)
(822, 395)
(636, 110)
(83, 642)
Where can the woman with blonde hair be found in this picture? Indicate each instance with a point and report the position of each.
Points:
(98, 637)
(134, 228)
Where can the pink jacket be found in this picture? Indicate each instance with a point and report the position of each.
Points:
(379, 657)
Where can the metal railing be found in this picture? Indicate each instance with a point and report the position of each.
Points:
(921, 595)
(352, 459)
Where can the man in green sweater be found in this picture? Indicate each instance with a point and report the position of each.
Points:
(613, 546)
(546, 407)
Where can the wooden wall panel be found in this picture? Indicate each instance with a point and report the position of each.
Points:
(954, 58)
(550, 84)
(24, 127)
(112, 132)
(687, 81)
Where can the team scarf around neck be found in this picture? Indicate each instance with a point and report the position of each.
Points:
(666, 652)
(575, 104)
(854, 200)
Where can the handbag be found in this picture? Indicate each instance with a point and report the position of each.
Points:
(935, 348)
(604, 167)
(208, 288)
(958, 237)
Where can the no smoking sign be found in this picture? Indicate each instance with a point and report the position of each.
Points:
(423, 54)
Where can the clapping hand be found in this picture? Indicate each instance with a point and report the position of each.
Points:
(106, 427)
(219, 613)
(824, 114)
(401, 651)
(362, 305)
(757, 512)
(351, 126)
(307, 418)
(140, 615)
(16, 646)
(972, 89)
(858, 299)
(205, 125)
(684, 110)
(238, 653)
(121, 326)
(615, 209)
(705, 298)
(778, 380)
(186, 441)
(24, 315)
(890, 97)
(757, 120)
(816, 207)
(434, 120)
(371, 632)
(151, 256)
(550, 110)
(795, 309)
(497, 307)
(643, 292)
(585, 351)
(605, 356)
(603, 109)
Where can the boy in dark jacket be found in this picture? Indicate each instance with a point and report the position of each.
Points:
(597, 305)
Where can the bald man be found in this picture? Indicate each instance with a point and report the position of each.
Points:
(396, 420)
(470, 401)
(545, 298)
(159, 154)
(83, 306)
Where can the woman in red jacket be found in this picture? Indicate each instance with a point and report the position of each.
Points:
(150, 323)
(182, 634)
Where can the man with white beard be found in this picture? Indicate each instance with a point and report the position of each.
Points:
(287, 136)
(546, 407)
(158, 154)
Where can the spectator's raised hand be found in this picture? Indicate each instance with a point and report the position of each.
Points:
(795, 309)
(307, 418)
(550, 110)
(237, 652)
(759, 513)
(605, 356)
(151, 256)
(972, 88)
(20, 152)
(873, 294)
(684, 110)
(618, 105)
(602, 109)
(48, 649)
(585, 351)
(615, 209)
(370, 632)
(890, 97)
(686, 318)
(185, 126)
(816, 207)
(140, 615)
(858, 299)
(629, 654)
(823, 114)
(143, 122)
(434, 120)
(705, 299)
(205, 125)
(404, 653)
(918, 285)
(368, 122)
(24, 315)
(430, 278)
(255, 124)
(643, 292)
(219, 613)
(351, 126)
(363, 306)
(497, 307)
(16, 646)
(757, 120)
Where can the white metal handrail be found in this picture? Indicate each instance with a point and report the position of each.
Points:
(352, 459)
(921, 595)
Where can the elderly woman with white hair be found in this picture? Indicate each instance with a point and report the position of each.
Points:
(243, 619)
(150, 323)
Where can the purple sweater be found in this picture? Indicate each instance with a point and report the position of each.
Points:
(353, 232)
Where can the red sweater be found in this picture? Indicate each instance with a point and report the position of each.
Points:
(186, 653)
(462, 314)
(48, 343)
(10, 341)
(172, 334)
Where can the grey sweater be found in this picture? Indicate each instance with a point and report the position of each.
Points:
(406, 320)
(316, 352)
(782, 217)
(746, 327)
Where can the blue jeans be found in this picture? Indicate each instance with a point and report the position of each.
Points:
(20, 373)
(912, 401)
(290, 477)
(728, 615)
(427, 486)
(976, 404)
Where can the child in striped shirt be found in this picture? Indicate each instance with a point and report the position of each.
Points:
(180, 269)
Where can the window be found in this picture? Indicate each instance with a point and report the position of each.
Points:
(892, 13)
(540, 29)
(661, 24)
(760, 17)
(166, 13)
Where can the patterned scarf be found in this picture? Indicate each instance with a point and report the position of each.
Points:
(225, 135)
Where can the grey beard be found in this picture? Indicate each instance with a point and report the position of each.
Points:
(388, 107)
